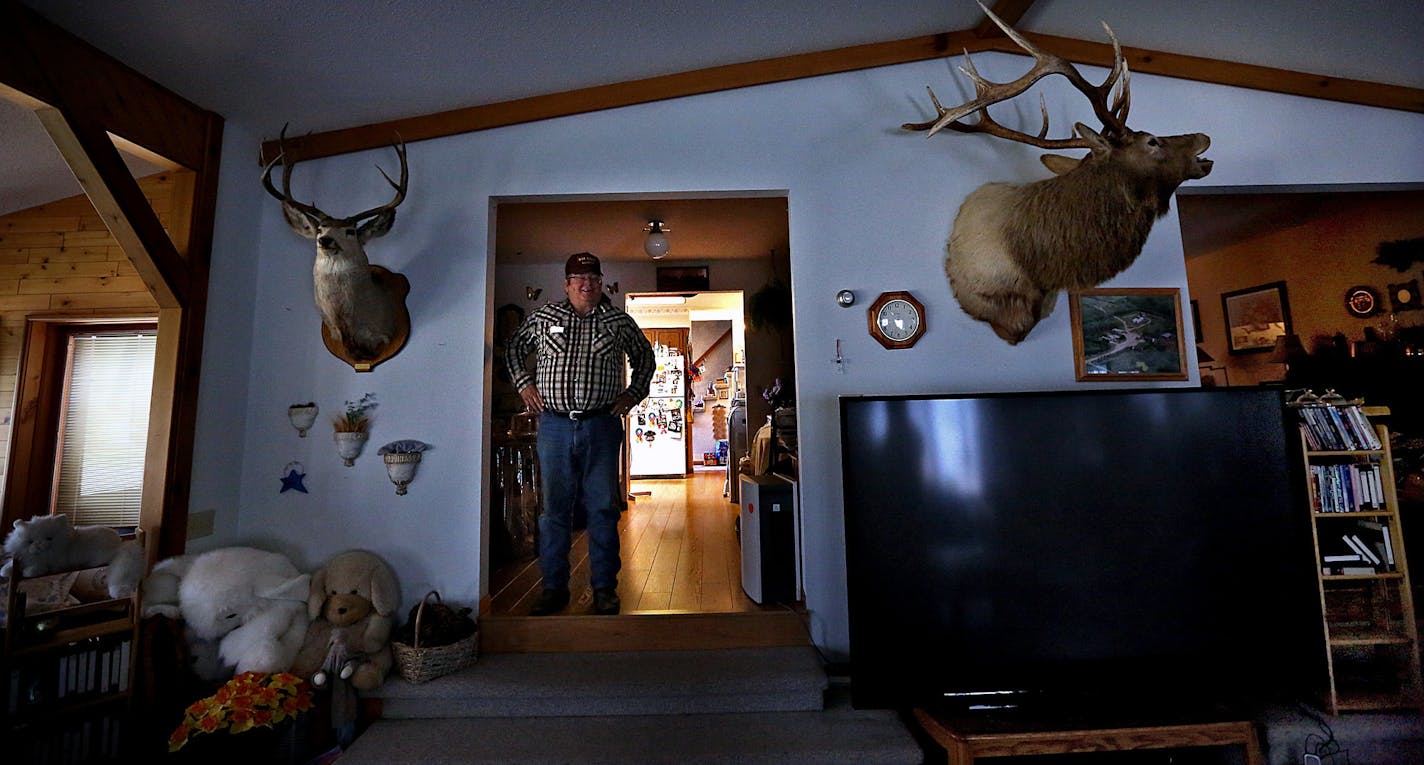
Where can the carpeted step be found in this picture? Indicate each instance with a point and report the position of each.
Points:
(616, 683)
(829, 737)
(1374, 738)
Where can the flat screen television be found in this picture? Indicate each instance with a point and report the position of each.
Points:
(1127, 549)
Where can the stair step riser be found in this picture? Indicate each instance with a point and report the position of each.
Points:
(396, 709)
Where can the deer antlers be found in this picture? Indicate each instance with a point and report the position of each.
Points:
(285, 195)
(1113, 118)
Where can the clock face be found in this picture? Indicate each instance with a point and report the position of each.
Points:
(1361, 301)
(898, 320)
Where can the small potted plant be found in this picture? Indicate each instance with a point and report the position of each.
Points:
(401, 458)
(351, 428)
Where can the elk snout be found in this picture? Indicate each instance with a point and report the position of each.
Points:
(1202, 142)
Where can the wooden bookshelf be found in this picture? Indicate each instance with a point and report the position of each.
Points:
(1371, 635)
(67, 677)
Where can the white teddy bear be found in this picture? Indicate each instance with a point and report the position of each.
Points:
(251, 603)
(46, 544)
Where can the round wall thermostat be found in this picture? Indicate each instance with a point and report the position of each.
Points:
(845, 298)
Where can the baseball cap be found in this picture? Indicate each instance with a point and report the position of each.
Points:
(582, 263)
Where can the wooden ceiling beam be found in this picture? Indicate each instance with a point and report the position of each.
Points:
(1217, 72)
(120, 202)
(476, 118)
(48, 64)
(504, 113)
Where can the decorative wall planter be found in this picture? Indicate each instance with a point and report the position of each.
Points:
(401, 469)
(401, 458)
(302, 417)
(349, 445)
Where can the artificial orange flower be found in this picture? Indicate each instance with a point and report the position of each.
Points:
(249, 700)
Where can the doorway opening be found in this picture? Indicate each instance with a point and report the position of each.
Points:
(680, 547)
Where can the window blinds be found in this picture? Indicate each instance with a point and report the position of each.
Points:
(104, 429)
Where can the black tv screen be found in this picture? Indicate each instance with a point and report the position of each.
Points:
(1102, 547)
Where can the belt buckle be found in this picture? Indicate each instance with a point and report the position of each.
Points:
(576, 415)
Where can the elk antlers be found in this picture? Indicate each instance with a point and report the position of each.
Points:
(285, 195)
(1113, 118)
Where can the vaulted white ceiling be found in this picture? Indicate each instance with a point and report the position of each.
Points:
(326, 64)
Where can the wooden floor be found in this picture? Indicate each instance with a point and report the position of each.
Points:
(680, 555)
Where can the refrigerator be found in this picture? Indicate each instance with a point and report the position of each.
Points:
(658, 426)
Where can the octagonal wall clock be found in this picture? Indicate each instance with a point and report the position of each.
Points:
(897, 320)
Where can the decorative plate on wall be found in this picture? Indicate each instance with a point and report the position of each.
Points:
(1362, 301)
(1405, 297)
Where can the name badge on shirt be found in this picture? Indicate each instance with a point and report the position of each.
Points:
(556, 330)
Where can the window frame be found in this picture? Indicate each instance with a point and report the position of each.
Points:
(32, 469)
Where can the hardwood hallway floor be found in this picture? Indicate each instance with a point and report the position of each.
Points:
(680, 555)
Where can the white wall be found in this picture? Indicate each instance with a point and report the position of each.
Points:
(870, 208)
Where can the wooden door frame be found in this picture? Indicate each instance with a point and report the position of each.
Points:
(87, 100)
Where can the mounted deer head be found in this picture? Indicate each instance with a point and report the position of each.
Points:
(364, 320)
(1014, 247)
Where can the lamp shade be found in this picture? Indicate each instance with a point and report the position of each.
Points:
(656, 245)
(1288, 348)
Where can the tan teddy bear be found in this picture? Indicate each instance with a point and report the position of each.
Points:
(352, 601)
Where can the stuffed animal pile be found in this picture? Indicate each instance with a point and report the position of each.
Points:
(47, 544)
(244, 609)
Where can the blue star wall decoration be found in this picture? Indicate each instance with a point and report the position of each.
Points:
(293, 479)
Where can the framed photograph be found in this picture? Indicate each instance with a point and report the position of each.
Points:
(1128, 335)
(1255, 317)
(683, 279)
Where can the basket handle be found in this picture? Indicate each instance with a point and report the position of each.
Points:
(420, 610)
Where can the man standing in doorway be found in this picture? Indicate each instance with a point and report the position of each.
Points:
(579, 392)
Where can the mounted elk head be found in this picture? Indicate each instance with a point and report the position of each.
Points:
(1014, 247)
(364, 320)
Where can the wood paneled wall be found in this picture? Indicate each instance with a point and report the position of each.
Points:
(58, 259)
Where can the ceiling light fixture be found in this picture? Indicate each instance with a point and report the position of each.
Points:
(656, 245)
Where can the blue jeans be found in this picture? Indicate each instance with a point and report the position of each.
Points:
(578, 466)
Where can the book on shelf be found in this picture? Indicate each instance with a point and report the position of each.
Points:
(1359, 546)
(1357, 542)
(1337, 427)
(1346, 488)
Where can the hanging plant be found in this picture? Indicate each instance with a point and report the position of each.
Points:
(770, 307)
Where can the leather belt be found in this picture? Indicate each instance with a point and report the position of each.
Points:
(585, 414)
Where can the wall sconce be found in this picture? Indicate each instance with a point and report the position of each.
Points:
(401, 457)
(656, 245)
(532, 293)
(302, 417)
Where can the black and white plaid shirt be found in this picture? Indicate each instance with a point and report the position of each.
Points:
(580, 364)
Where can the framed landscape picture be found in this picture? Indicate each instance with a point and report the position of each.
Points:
(1255, 317)
(1128, 335)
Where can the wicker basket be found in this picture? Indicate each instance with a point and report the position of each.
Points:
(417, 664)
